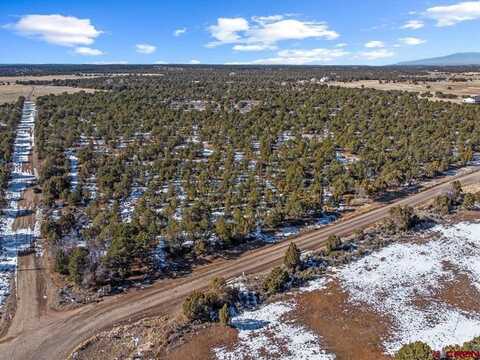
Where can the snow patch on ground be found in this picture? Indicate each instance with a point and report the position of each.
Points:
(265, 333)
(20, 179)
(73, 175)
(128, 205)
(391, 279)
(286, 231)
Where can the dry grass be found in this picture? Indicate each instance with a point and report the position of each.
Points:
(13, 79)
(447, 87)
(10, 93)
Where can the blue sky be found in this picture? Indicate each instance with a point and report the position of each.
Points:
(374, 32)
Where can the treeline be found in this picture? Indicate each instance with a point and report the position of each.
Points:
(214, 178)
(10, 115)
(274, 72)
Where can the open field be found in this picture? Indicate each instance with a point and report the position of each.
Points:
(10, 93)
(460, 89)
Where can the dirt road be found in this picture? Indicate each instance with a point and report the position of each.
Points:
(54, 335)
(30, 294)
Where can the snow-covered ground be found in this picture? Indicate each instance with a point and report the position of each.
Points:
(20, 179)
(128, 205)
(401, 281)
(391, 279)
(73, 175)
(266, 333)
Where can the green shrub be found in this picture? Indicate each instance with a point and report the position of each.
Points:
(276, 281)
(224, 315)
(195, 307)
(415, 351)
(403, 218)
(443, 204)
(333, 243)
(203, 305)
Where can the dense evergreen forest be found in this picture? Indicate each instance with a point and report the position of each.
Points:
(341, 73)
(156, 170)
(10, 115)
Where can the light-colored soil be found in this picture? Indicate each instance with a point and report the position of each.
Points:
(447, 87)
(350, 332)
(10, 93)
(199, 344)
(13, 79)
(31, 294)
(460, 293)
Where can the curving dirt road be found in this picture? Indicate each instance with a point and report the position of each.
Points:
(53, 335)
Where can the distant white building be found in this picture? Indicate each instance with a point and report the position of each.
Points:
(474, 99)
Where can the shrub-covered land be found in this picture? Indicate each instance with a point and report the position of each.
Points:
(162, 169)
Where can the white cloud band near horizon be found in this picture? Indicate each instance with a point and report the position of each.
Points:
(86, 51)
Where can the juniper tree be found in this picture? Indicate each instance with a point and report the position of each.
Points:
(415, 351)
(333, 243)
(224, 315)
(292, 257)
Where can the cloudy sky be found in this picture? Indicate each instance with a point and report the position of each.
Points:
(374, 32)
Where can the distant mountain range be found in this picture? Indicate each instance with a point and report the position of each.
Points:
(458, 59)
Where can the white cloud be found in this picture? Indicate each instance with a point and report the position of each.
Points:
(376, 54)
(267, 19)
(449, 15)
(375, 44)
(253, 47)
(195, 61)
(145, 48)
(226, 30)
(179, 32)
(303, 56)
(413, 25)
(412, 41)
(266, 31)
(56, 29)
(161, 62)
(341, 45)
(86, 51)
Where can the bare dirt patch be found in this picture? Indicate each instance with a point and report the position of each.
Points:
(347, 330)
(156, 338)
(447, 87)
(460, 294)
(199, 345)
